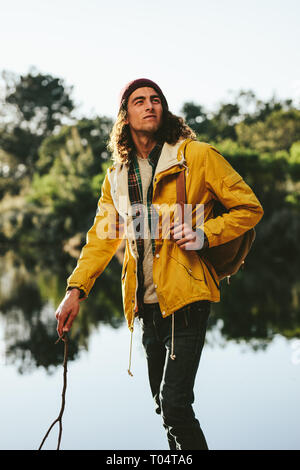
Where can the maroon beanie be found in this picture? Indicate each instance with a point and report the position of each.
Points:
(139, 83)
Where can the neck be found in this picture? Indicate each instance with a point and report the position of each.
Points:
(143, 143)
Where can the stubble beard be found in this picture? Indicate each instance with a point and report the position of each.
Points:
(151, 130)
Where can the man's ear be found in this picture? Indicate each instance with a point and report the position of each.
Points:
(126, 120)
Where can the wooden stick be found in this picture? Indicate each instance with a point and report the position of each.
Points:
(64, 337)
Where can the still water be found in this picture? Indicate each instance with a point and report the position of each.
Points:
(246, 391)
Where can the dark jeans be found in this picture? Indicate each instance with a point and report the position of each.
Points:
(172, 381)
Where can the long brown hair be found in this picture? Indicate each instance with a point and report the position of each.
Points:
(121, 144)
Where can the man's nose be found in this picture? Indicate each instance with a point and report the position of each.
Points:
(148, 104)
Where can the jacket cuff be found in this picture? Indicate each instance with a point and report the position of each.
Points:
(82, 294)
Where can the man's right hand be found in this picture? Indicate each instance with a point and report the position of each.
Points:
(67, 311)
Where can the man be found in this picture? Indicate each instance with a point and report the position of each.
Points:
(166, 282)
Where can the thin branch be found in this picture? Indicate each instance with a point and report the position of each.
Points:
(64, 337)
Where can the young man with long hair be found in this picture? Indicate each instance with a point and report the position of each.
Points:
(166, 281)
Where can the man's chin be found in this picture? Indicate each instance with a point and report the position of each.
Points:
(151, 128)
(147, 128)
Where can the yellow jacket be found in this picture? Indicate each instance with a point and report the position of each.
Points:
(180, 276)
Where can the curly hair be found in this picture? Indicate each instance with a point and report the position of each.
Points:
(120, 141)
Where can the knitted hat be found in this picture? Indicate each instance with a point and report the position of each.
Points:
(139, 83)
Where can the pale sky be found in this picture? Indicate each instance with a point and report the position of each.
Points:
(194, 49)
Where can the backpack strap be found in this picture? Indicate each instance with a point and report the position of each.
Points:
(180, 182)
(180, 188)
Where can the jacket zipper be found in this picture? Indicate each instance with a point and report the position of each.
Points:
(205, 280)
(210, 272)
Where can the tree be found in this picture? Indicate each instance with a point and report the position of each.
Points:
(67, 183)
(233, 119)
(33, 107)
(278, 132)
(196, 117)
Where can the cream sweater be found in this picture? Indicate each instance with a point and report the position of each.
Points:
(150, 294)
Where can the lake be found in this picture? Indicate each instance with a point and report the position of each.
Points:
(246, 391)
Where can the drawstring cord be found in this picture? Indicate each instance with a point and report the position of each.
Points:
(130, 349)
(172, 355)
(130, 352)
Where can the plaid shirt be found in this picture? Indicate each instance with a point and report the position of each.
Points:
(136, 198)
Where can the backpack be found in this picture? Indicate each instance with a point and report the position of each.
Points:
(229, 257)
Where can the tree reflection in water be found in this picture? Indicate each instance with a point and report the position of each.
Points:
(31, 286)
(261, 301)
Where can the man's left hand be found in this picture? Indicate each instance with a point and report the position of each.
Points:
(187, 238)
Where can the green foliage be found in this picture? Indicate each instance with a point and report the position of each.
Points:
(86, 133)
(58, 198)
(278, 132)
(42, 101)
(52, 168)
(69, 190)
(34, 106)
(295, 152)
(246, 119)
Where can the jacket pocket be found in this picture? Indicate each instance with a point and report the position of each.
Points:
(232, 179)
(191, 272)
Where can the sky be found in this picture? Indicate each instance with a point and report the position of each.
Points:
(196, 50)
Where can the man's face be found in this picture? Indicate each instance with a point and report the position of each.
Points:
(144, 110)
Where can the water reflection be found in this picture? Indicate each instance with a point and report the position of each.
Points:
(257, 304)
(32, 284)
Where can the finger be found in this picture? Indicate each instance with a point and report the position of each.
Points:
(187, 237)
(178, 232)
(182, 228)
(177, 235)
(59, 329)
(61, 322)
(57, 312)
(173, 227)
(188, 246)
(68, 324)
(192, 244)
(183, 241)
(70, 320)
(184, 225)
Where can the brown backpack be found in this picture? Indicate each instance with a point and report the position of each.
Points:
(227, 258)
